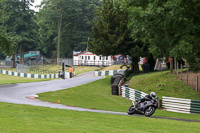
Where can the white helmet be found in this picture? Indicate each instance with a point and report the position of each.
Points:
(153, 94)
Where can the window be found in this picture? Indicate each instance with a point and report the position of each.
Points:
(106, 57)
(85, 57)
(99, 57)
(88, 57)
(82, 57)
(94, 57)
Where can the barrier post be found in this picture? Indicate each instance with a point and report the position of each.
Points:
(177, 70)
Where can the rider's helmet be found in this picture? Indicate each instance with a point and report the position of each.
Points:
(153, 94)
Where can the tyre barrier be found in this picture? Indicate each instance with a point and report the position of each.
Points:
(28, 75)
(180, 105)
(116, 81)
(132, 94)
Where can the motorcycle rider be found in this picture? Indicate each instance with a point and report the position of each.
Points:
(149, 97)
(145, 106)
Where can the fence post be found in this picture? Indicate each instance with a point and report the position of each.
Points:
(160, 67)
(197, 85)
(181, 70)
(193, 79)
(187, 76)
(177, 66)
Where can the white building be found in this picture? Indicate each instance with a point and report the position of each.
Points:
(89, 59)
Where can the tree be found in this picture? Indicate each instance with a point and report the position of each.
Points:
(4, 42)
(170, 27)
(110, 35)
(2, 56)
(19, 25)
(46, 20)
(64, 25)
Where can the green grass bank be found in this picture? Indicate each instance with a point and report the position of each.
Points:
(164, 84)
(30, 119)
(97, 95)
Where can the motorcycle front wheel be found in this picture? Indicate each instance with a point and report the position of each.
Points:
(131, 110)
(149, 111)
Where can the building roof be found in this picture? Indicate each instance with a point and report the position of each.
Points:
(83, 53)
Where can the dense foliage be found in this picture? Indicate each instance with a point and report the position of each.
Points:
(4, 43)
(59, 27)
(17, 20)
(167, 28)
(110, 35)
(171, 27)
(64, 25)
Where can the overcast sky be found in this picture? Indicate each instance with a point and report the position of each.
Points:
(37, 2)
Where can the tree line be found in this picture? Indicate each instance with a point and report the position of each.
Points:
(149, 28)
(59, 27)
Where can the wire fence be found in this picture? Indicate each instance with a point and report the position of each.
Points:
(52, 66)
(39, 69)
(2, 63)
(66, 61)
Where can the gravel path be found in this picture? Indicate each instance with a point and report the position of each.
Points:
(24, 93)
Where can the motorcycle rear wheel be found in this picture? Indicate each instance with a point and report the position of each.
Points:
(131, 110)
(149, 111)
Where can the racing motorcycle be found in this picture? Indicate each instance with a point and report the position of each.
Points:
(146, 108)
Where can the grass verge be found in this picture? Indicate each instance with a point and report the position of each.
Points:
(83, 69)
(7, 79)
(97, 95)
(31, 119)
(164, 84)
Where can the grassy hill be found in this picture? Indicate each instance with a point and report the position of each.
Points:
(164, 84)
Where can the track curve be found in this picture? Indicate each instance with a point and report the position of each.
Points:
(24, 93)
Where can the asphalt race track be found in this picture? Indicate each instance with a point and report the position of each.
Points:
(24, 93)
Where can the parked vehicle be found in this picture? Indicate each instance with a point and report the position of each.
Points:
(146, 108)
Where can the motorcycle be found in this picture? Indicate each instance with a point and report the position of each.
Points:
(146, 108)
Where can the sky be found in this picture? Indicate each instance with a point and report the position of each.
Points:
(37, 2)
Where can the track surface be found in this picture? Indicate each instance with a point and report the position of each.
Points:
(24, 93)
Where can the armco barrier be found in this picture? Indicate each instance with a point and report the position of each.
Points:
(168, 103)
(180, 105)
(28, 75)
(105, 73)
(132, 94)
